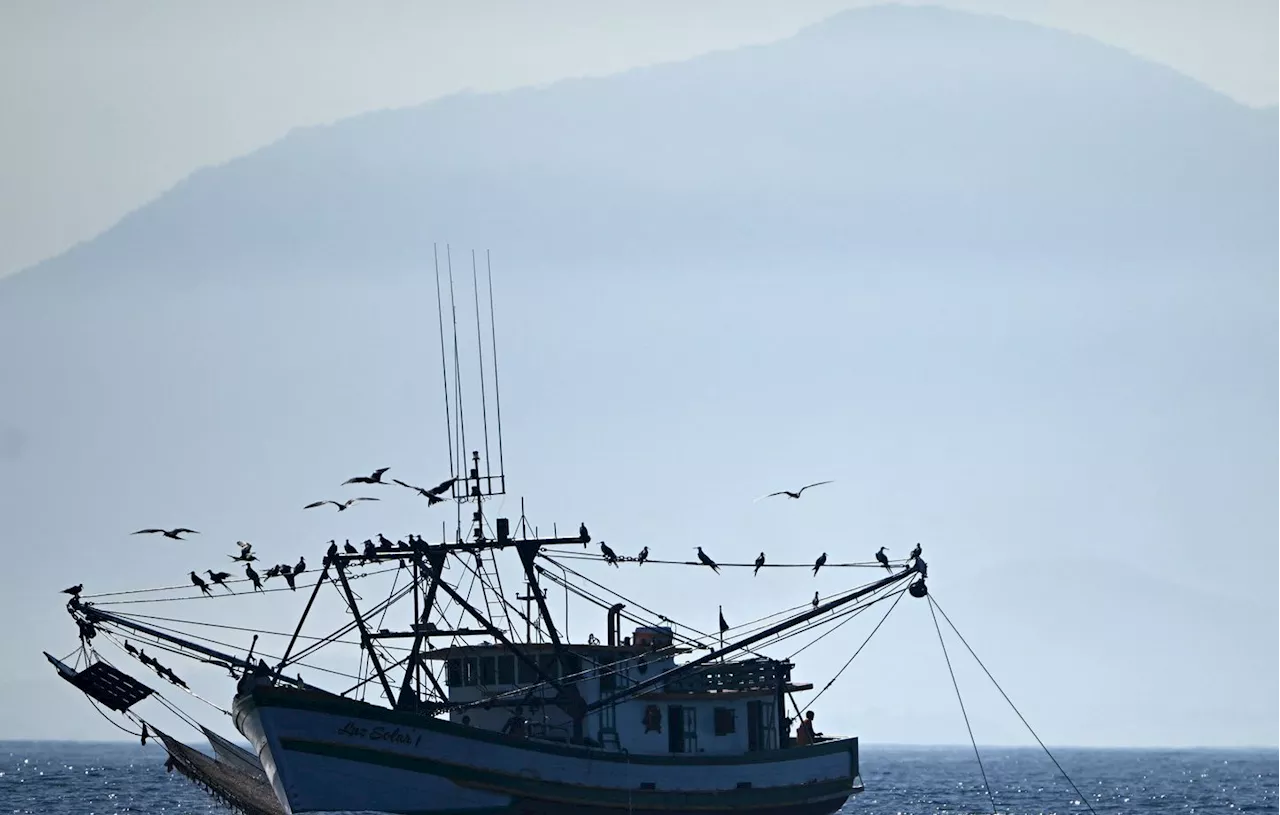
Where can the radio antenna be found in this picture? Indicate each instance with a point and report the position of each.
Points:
(497, 397)
(444, 367)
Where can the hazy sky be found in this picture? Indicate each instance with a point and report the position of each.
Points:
(1065, 418)
(107, 104)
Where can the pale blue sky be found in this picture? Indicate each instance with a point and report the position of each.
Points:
(1027, 320)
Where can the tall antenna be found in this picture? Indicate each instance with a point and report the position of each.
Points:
(497, 398)
(444, 367)
(484, 401)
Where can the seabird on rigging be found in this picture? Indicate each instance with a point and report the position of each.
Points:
(706, 561)
(884, 560)
(818, 564)
(759, 564)
(199, 584)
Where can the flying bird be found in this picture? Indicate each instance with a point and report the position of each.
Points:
(376, 478)
(75, 590)
(915, 553)
(706, 561)
(246, 552)
(341, 505)
(609, 555)
(199, 584)
(644, 555)
(432, 498)
(818, 564)
(175, 534)
(253, 577)
(795, 494)
(759, 563)
(884, 561)
(219, 578)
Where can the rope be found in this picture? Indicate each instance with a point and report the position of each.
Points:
(201, 595)
(933, 603)
(956, 685)
(849, 662)
(874, 564)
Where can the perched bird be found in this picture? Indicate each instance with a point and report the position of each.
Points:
(609, 555)
(199, 584)
(584, 535)
(818, 564)
(301, 567)
(884, 560)
(815, 599)
(145, 733)
(175, 534)
(643, 556)
(384, 542)
(706, 561)
(341, 505)
(288, 578)
(128, 647)
(915, 553)
(759, 563)
(332, 550)
(349, 549)
(253, 577)
(75, 590)
(274, 571)
(376, 478)
(370, 551)
(795, 494)
(219, 578)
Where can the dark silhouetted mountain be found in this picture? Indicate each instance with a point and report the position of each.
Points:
(895, 129)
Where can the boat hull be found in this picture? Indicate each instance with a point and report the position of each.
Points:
(324, 753)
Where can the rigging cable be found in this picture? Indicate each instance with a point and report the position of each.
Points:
(963, 712)
(833, 679)
(934, 604)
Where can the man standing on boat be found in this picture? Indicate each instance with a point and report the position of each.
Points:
(805, 733)
(515, 725)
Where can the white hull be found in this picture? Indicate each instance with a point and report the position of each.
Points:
(323, 753)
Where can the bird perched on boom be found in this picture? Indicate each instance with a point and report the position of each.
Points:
(175, 534)
(341, 505)
(915, 553)
(376, 478)
(707, 561)
(795, 494)
(883, 559)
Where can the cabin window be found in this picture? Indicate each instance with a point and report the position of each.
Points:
(488, 671)
(725, 721)
(470, 672)
(525, 674)
(455, 673)
(506, 670)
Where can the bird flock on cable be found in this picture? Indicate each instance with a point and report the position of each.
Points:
(290, 572)
(370, 549)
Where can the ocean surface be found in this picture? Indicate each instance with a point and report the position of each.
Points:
(84, 778)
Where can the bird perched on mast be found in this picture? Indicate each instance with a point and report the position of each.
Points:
(817, 564)
(706, 561)
(796, 493)
(915, 553)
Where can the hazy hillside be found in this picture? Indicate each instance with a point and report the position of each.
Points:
(891, 129)
(1013, 289)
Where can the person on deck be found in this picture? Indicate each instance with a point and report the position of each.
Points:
(805, 733)
(515, 726)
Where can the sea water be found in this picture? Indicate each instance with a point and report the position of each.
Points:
(83, 778)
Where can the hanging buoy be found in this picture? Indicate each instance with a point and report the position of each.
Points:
(918, 588)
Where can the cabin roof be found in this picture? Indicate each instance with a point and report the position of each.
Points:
(492, 649)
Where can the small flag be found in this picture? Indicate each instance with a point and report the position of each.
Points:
(723, 625)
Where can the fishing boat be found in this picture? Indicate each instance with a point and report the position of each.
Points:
(492, 707)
